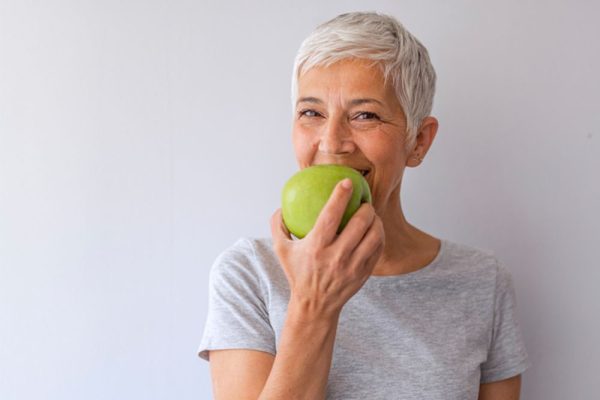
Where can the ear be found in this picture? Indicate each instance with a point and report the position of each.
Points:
(423, 141)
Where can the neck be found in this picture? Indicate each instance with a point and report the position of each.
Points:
(407, 248)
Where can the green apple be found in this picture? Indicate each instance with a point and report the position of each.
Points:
(305, 194)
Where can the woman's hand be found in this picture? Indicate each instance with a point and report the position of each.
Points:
(325, 270)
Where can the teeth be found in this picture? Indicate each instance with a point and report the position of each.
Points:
(363, 172)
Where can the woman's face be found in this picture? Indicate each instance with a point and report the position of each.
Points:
(346, 115)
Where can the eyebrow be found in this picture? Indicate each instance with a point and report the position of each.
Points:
(309, 100)
(353, 102)
(358, 102)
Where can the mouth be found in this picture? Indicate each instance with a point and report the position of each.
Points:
(363, 172)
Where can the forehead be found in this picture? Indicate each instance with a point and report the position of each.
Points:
(352, 77)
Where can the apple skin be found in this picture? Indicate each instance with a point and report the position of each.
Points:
(304, 195)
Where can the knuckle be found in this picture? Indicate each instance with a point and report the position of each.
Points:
(363, 216)
(354, 275)
(329, 221)
(362, 211)
(369, 207)
(357, 273)
(370, 212)
(326, 218)
(315, 252)
(337, 261)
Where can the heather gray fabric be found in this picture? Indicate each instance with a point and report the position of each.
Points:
(435, 333)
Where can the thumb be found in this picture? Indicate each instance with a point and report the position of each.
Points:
(279, 231)
(282, 241)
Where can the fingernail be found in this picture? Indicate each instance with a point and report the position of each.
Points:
(347, 183)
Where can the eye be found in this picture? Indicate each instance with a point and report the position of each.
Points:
(365, 115)
(308, 113)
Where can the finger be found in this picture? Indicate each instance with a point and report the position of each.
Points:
(366, 267)
(279, 231)
(357, 227)
(373, 241)
(330, 217)
(371, 262)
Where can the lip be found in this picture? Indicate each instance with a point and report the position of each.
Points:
(364, 171)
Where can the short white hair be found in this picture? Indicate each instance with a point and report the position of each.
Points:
(383, 40)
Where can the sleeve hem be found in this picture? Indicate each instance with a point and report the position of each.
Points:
(504, 373)
(203, 351)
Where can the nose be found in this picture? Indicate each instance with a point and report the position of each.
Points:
(336, 138)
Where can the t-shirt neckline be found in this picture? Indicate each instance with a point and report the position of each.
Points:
(426, 270)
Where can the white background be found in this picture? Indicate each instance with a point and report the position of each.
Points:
(138, 139)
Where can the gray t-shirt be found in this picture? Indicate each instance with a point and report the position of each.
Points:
(436, 333)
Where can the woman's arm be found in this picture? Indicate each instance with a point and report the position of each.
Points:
(301, 367)
(239, 374)
(299, 371)
(508, 389)
(324, 270)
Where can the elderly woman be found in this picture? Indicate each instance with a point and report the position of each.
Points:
(382, 310)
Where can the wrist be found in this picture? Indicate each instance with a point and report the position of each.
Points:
(304, 311)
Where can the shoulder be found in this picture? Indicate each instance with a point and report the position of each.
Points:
(478, 265)
(248, 260)
(247, 250)
(461, 254)
(480, 275)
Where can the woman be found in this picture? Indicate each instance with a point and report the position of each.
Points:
(383, 310)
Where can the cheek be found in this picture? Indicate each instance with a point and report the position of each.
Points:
(388, 160)
(380, 152)
(304, 147)
(390, 150)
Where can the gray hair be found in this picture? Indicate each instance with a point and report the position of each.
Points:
(383, 40)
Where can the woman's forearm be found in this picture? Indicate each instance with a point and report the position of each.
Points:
(301, 367)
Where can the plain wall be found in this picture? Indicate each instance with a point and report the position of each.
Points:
(138, 139)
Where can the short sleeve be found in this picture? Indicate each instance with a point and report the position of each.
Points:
(507, 356)
(237, 314)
